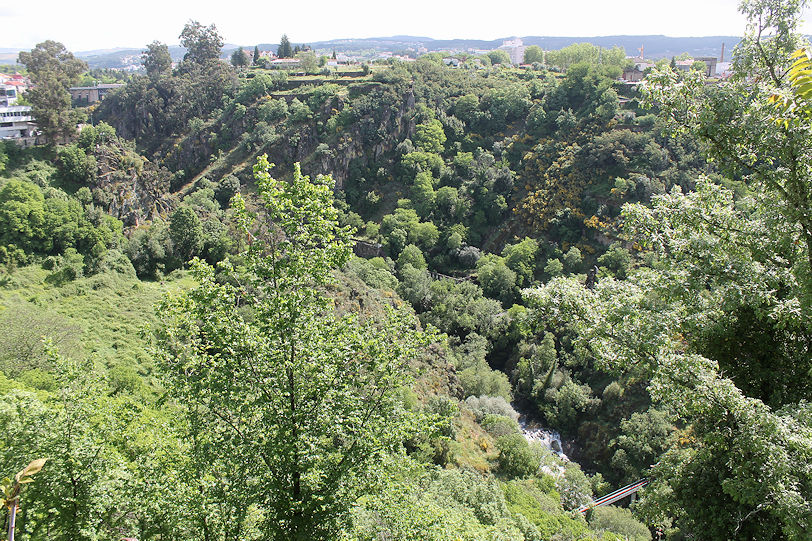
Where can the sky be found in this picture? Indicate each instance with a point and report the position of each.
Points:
(100, 24)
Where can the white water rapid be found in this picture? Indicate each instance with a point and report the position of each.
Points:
(547, 438)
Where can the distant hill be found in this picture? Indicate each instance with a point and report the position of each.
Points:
(654, 47)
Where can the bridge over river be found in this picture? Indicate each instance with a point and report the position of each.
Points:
(612, 497)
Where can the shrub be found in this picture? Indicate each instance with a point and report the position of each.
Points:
(485, 405)
(618, 521)
(516, 457)
(411, 255)
(498, 425)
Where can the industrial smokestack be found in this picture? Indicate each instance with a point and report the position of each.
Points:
(722, 58)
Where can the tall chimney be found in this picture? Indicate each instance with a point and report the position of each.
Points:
(722, 58)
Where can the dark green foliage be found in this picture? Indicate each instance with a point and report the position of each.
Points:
(497, 280)
(42, 225)
(239, 58)
(202, 43)
(643, 438)
(228, 188)
(617, 261)
(186, 233)
(156, 59)
(284, 50)
(76, 168)
(149, 109)
(149, 249)
(53, 70)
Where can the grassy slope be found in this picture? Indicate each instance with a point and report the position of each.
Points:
(107, 311)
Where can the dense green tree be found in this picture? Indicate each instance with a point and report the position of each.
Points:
(516, 457)
(533, 54)
(255, 59)
(423, 194)
(302, 401)
(239, 58)
(411, 255)
(76, 167)
(521, 259)
(499, 57)
(578, 53)
(202, 43)
(22, 215)
(284, 50)
(186, 233)
(755, 478)
(156, 59)
(308, 60)
(497, 280)
(429, 136)
(53, 69)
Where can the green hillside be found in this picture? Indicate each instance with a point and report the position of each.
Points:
(412, 300)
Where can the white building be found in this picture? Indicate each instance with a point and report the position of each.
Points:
(16, 122)
(515, 49)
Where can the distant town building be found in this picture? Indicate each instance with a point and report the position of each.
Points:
(632, 75)
(284, 63)
(92, 94)
(11, 88)
(710, 64)
(17, 122)
(515, 50)
(724, 69)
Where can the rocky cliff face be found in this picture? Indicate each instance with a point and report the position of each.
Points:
(128, 186)
(367, 139)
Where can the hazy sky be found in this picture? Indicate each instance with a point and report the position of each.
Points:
(97, 24)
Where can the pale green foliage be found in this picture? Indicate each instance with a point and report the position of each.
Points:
(586, 53)
(483, 406)
(738, 121)
(429, 136)
(496, 278)
(411, 255)
(521, 258)
(438, 505)
(619, 521)
(533, 53)
(423, 193)
(715, 257)
(302, 402)
(89, 489)
(517, 458)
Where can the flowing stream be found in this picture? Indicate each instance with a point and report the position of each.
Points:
(550, 439)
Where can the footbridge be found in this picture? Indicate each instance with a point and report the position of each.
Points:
(611, 498)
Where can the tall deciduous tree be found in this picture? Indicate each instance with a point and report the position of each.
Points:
(300, 401)
(202, 43)
(53, 69)
(532, 54)
(156, 58)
